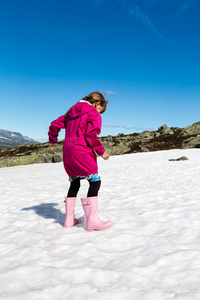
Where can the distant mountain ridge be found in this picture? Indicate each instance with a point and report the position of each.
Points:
(165, 138)
(10, 139)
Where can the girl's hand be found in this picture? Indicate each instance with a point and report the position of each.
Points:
(106, 156)
(53, 145)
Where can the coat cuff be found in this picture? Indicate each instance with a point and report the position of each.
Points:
(101, 152)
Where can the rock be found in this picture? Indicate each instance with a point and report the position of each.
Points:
(145, 135)
(118, 149)
(156, 134)
(192, 142)
(41, 159)
(110, 144)
(109, 138)
(179, 159)
(194, 129)
(56, 158)
(109, 141)
(164, 138)
(182, 158)
(143, 149)
(165, 130)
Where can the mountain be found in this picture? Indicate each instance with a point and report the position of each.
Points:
(10, 139)
(165, 138)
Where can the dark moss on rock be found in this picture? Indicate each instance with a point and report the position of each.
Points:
(165, 138)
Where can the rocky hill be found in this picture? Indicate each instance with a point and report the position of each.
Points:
(10, 139)
(164, 138)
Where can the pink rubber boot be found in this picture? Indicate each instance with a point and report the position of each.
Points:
(92, 219)
(69, 208)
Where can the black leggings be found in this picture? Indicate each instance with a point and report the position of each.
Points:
(94, 187)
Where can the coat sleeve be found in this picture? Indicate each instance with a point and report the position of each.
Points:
(55, 128)
(92, 132)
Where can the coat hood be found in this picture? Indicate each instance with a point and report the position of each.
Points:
(80, 108)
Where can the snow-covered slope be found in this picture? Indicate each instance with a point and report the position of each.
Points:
(152, 252)
(13, 138)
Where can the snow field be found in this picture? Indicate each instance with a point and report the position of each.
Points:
(152, 252)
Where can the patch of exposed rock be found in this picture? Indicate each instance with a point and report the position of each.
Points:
(165, 138)
(191, 142)
(191, 130)
(179, 159)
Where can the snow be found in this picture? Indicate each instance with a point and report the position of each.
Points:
(4, 138)
(152, 252)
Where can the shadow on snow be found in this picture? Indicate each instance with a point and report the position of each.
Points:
(48, 211)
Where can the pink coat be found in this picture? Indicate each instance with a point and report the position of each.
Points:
(82, 126)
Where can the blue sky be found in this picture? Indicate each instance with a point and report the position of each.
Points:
(145, 54)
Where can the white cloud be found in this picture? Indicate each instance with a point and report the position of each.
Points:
(142, 17)
(127, 128)
(110, 93)
(136, 12)
(184, 6)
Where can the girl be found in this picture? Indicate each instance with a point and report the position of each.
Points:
(82, 123)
